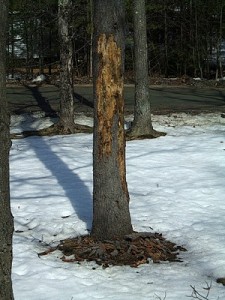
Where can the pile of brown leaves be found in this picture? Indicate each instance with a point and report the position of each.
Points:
(133, 250)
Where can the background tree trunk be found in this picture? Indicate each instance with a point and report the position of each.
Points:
(221, 40)
(6, 220)
(90, 71)
(66, 69)
(165, 38)
(111, 217)
(12, 57)
(142, 124)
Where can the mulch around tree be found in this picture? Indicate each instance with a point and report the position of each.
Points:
(135, 249)
(52, 131)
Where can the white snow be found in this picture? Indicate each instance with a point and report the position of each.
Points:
(176, 186)
(39, 78)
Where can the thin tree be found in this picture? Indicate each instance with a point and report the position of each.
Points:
(111, 216)
(142, 124)
(6, 220)
(219, 70)
(66, 67)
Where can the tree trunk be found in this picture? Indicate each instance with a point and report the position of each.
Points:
(12, 60)
(27, 50)
(91, 39)
(197, 42)
(41, 47)
(166, 39)
(66, 70)
(6, 220)
(111, 216)
(142, 124)
(50, 51)
(220, 40)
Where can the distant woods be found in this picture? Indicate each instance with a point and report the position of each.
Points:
(184, 38)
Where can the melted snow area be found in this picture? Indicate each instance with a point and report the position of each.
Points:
(176, 186)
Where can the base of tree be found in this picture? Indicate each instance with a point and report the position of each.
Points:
(55, 129)
(221, 280)
(136, 135)
(133, 250)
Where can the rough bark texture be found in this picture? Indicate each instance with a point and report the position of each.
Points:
(111, 217)
(66, 67)
(142, 124)
(6, 220)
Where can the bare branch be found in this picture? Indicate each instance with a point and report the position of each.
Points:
(159, 298)
(197, 295)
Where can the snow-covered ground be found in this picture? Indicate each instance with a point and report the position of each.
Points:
(176, 186)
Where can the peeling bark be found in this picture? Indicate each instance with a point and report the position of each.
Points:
(111, 217)
(109, 90)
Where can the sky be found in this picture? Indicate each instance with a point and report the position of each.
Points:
(176, 186)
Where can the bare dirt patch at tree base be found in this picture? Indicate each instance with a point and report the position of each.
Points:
(135, 249)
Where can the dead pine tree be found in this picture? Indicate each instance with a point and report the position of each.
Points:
(111, 216)
(142, 124)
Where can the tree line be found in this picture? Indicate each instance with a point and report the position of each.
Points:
(184, 37)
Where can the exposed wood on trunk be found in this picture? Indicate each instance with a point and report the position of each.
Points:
(111, 217)
(109, 89)
(110, 103)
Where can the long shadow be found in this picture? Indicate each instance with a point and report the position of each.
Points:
(75, 189)
(218, 95)
(83, 100)
(23, 109)
(42, 102)
(222, 95)
(79, 194)
(191, 98)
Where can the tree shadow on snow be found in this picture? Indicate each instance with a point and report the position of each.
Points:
(42, 102)
(74, 188)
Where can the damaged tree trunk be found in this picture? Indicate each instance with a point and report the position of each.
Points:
(142, 124)
(6, 219)
(66, 122)
(111, 216)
